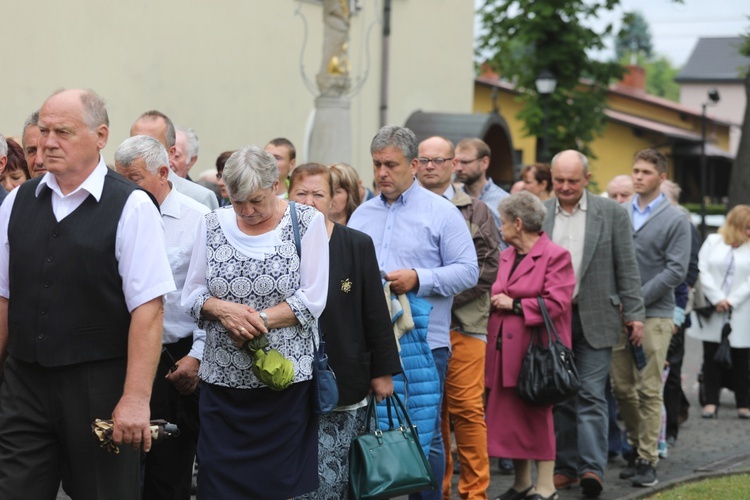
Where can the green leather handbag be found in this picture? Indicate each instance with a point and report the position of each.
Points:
(388, 463)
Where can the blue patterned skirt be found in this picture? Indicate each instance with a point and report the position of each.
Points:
(337, 430)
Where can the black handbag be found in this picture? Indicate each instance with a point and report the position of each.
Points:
(723, 355)
(548, 373)
(325, 391)
(388, 463)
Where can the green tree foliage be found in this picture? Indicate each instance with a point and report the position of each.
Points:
(633, 46)
(526, 37)
(660, 75)
(634, 37)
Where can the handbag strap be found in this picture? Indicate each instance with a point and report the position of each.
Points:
(295, 227)
(298, 245)
(370, 413)
(548, 324)
(534, 336)
(402, 416)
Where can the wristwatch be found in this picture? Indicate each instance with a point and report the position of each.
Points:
(264, 317)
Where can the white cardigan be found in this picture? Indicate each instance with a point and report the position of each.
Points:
(712, 263)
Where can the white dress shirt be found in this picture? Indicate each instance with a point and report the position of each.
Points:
(182, 217)
(570, 233)
(139, 243)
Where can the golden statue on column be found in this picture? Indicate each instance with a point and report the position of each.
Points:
(333, 78)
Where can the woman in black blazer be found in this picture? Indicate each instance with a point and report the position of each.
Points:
(355, 325)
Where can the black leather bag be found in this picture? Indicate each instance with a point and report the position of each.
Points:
(548, 373)
(723, 355)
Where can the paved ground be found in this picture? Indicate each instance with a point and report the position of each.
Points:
(703, 447)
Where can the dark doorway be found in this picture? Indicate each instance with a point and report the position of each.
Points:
(491, 128)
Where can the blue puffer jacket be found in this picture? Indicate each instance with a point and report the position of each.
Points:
(421, 394)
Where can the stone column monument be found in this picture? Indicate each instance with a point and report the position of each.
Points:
(330, 138)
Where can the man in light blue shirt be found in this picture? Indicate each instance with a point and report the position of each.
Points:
(641, 215)
(422, 244)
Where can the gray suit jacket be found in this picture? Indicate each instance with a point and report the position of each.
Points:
(194, 191)
(609, 275)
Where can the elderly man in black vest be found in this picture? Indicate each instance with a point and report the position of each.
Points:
(82, 274)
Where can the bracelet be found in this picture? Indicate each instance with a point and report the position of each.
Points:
(264, 317)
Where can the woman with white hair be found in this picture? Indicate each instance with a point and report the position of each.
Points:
(247, 281)
(533, 266)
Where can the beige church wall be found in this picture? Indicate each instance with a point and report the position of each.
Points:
(231, 69)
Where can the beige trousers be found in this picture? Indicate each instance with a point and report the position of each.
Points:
(639, 395)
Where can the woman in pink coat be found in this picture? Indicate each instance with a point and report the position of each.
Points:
(533, 266)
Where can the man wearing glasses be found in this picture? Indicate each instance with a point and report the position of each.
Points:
(464, 381)
(472, 160)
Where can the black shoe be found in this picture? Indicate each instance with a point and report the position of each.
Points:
(537, 496)
(591, 485)
(505, 465)
(629, 471)
(631, 455)
(512, 494)
(646, 474)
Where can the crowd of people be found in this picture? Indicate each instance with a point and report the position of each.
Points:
(131, 292)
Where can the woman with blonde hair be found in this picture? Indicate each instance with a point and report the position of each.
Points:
(346, 193)
(724, 264)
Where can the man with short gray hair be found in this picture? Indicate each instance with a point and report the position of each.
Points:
(620, 188)
(168, 469)
(423, 246)
(185, 156)
(158, 125)
(30, 142)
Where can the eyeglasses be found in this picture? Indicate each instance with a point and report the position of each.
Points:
(438, 162)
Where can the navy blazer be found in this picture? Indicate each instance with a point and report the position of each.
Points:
(355, 324)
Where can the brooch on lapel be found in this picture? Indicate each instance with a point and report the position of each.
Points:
(346, 285)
